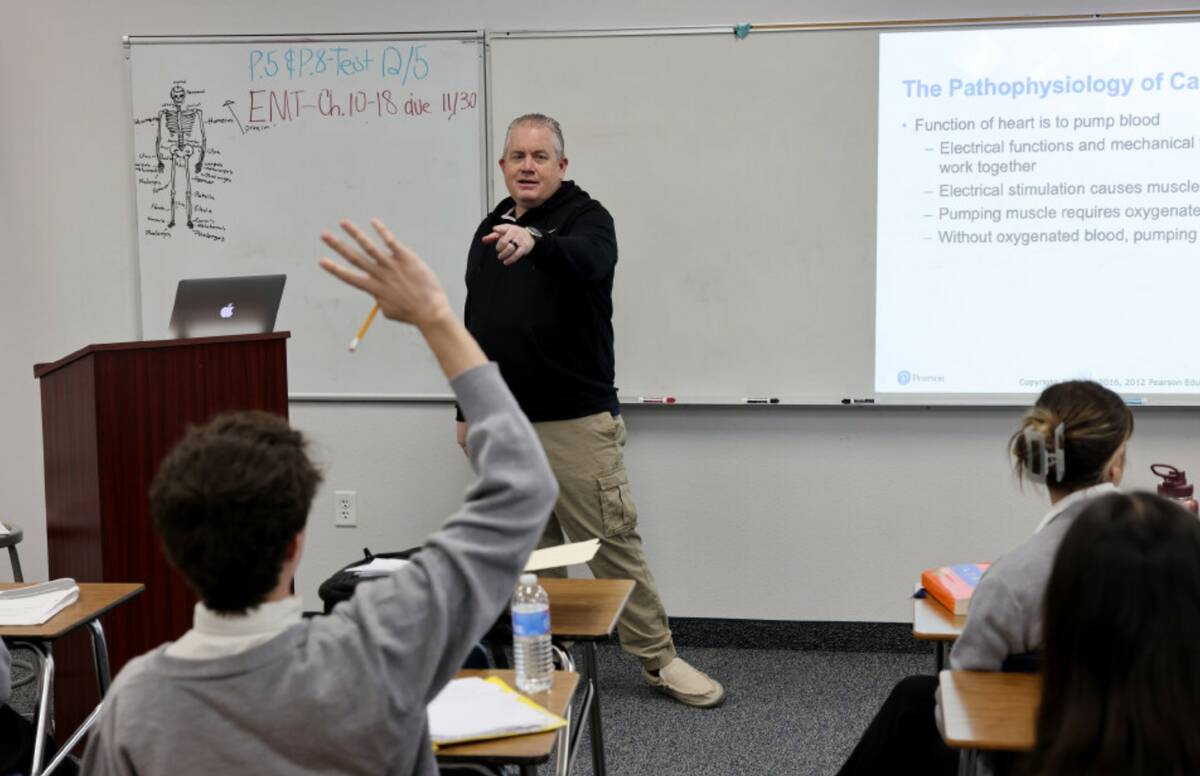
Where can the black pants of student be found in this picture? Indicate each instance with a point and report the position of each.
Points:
(903, 737)
(16, 746)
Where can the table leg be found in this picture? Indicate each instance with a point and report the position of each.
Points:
(939, 655)
(579, 720)
(967, 762)
(562, 749)
(562, 757)
(596, 727)
(100, 654)
(43, 713)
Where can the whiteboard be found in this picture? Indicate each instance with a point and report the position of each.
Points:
(741, 177)
(297, 134)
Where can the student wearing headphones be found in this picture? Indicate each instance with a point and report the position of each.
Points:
(1073, 441)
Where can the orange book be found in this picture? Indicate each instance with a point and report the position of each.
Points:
(952, 586)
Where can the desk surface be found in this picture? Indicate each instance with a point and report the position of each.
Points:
(585, 609)
(990, 710)
(95, 598)
(516, 750)
(934, 622)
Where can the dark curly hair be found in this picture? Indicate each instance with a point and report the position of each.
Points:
(227, 501)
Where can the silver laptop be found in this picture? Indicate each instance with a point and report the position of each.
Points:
(217, 307)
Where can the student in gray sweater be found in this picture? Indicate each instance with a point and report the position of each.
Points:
(1073, 441)
(253, 687)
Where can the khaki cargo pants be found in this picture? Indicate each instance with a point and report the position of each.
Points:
(594, 501)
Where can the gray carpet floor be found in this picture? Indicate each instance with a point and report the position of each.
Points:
(786, 712)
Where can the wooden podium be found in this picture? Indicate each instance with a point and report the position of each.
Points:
(109, 415)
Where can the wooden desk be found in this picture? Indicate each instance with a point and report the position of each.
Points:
(586, 611)
(525, 751)
(95, 598)
(934, 622)
(985, 710)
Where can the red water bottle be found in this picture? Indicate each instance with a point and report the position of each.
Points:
(1174, 485)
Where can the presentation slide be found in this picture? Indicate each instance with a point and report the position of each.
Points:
(1038, 208)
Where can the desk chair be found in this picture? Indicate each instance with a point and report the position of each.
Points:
(11, 540)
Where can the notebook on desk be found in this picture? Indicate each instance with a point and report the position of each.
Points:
(475, 709)
(34, 604)
(217, 307)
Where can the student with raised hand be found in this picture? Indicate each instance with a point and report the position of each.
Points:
(253, 687)
(1121, 644)
(1073, 441)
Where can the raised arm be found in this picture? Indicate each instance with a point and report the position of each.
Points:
(408, 291)
(414, 629)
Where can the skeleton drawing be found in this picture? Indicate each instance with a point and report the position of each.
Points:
(180, 136)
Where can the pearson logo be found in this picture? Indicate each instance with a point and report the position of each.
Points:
(904, 378)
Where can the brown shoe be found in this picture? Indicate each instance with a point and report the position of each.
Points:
(687, 684)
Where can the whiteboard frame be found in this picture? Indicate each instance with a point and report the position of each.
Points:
(871, 399)
(479, 36)
(485, 37)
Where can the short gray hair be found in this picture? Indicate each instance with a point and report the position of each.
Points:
(537, 120)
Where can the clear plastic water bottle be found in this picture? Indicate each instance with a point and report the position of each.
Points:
(531, 636)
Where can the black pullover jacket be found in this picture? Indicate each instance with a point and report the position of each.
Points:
(547, 319)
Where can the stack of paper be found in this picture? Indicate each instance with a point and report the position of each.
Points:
(563, 555)
(34, 604)
(549, 558)
(473, 709)
(379, 567)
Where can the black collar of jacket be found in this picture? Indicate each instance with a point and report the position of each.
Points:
(566, 191)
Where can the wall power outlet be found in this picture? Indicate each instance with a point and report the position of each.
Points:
(345, 514)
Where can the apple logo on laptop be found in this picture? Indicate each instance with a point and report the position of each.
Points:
(227, 311)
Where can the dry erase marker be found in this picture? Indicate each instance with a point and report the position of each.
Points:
(362, 331)
(656, 399)
(760, 400)
(864, 401)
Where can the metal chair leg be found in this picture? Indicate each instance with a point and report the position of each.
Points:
(43, 713)
(100, 657)
(16, 564)
(70, 743)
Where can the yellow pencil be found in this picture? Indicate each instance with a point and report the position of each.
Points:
(362, 331)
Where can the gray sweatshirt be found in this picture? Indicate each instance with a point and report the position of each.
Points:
(1005, 616)
(347, 693)
(1006, 608)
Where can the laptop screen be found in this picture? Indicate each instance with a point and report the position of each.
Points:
(217, 307)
